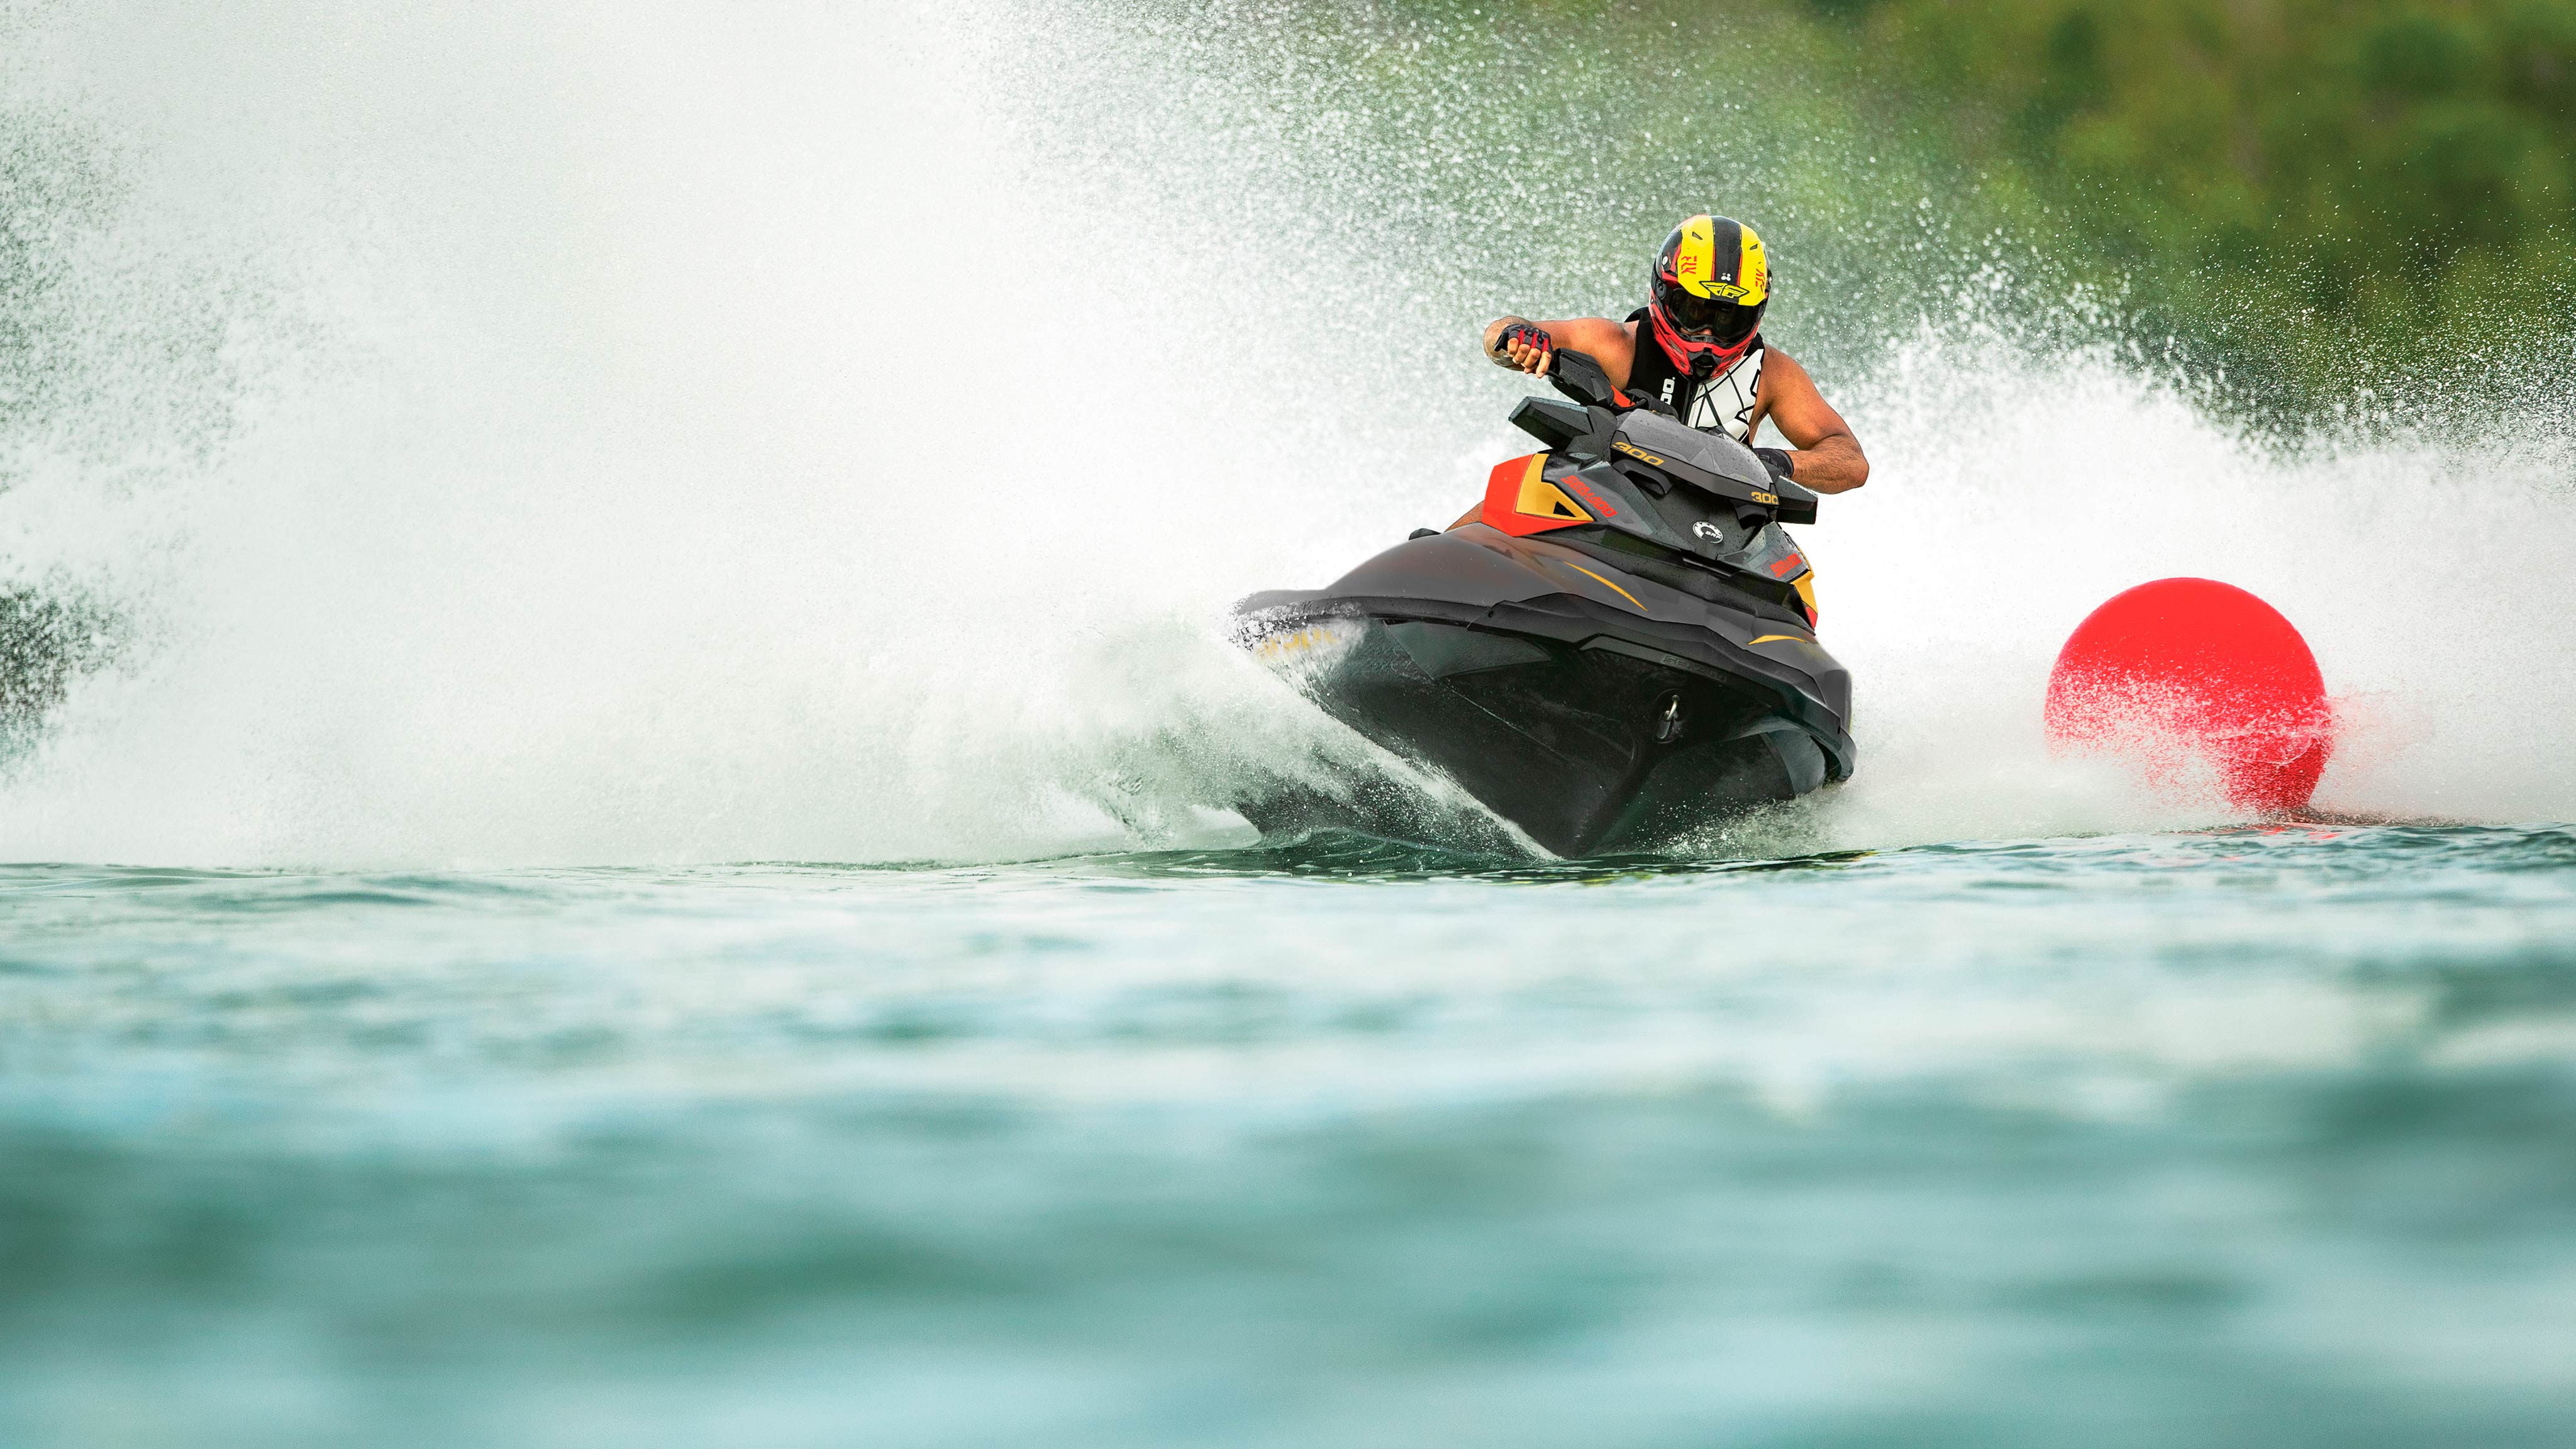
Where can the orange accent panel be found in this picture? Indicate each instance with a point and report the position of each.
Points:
(1510, 481)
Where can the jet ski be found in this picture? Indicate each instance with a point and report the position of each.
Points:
(1615, 650)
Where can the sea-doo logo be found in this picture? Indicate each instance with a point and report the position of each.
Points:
(1709, 531)
(1633, 451)
(1599, 503)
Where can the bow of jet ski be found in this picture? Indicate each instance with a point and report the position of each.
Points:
(1611, 652)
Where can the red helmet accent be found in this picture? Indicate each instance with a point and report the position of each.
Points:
(1682, 350)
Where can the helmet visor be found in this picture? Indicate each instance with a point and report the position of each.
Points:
(1707, 319)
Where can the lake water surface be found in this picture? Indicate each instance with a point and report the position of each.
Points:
(2255, 1136)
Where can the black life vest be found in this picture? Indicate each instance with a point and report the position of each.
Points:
(1723, 403)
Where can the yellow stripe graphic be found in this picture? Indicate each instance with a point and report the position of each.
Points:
(1542, 499)
(1696, 263)
(1605, 583)
(1752, 271)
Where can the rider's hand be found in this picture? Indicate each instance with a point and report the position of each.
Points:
(1527, 348)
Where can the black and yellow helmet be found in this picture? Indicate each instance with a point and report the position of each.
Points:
(1711, 282)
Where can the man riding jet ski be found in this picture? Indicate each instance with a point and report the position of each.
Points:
(1617, 646)
(1708, 365)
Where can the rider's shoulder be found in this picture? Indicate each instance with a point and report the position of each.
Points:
(1592, 333)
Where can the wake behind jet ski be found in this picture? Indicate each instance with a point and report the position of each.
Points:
(1617, 647)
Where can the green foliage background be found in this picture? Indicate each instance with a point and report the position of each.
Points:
(2327, 189)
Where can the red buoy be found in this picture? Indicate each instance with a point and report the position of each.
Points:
(2192, 667)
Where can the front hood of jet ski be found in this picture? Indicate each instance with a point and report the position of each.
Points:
(1481, 578)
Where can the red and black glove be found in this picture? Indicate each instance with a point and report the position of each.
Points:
(1526, 335)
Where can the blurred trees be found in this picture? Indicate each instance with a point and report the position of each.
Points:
(2323, 188)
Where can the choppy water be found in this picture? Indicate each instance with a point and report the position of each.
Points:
(2254, 1136)
(441, 439)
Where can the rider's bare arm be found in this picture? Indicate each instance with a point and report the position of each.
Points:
(1829, 459)
(1610, 343)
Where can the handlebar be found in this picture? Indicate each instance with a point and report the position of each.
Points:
(1580, 377)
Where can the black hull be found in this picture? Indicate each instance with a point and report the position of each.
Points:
(1589, 725)
(1585, 749)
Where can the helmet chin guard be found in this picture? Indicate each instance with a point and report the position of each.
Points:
(1699, 360)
